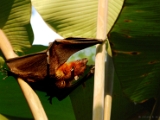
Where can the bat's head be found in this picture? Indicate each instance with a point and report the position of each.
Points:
(68, 72)
(79, 66)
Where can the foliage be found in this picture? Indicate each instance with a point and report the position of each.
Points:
(133, 37)
(134, 42)
(15, 22)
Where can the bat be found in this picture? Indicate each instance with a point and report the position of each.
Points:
(48, 86)
(50, 65)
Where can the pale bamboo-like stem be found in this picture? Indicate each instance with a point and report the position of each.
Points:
(5, 46)
(31, 97)
(99, 77)
(33, 101)
(108, 87)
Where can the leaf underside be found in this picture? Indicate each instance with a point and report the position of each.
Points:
(15, 23)
(134, 40)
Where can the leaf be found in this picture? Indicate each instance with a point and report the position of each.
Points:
(75, 18)
(114, 8)
(134, 40)
(81, 98)
(15, 22)
(12, 97)
(69, 18)
(124, 109)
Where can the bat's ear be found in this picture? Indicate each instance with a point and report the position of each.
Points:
(50, 43)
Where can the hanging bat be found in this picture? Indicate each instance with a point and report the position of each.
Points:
(50, 88)
(50, 66)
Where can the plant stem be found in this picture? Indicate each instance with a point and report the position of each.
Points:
(99, 77)
(6, 47)
(109, 78)
(103, 80)
(31, 97)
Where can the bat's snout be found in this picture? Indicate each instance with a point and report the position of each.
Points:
(84, 60)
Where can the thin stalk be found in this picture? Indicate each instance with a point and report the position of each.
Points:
(99, 77)
(31, 97)
(108, 87)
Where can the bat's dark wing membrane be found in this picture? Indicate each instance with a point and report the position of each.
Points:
(37, 66)
(64, 48)
(33, 66)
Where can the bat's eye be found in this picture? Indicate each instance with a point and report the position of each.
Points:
(82, 64)
(61, 84)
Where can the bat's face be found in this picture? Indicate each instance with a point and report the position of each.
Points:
(68, 72)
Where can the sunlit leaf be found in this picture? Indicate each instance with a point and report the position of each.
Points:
(15, 22)
(75, 18)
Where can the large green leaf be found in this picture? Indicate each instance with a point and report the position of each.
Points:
(82, 97)
(15, 22)
(69, 18)
(134, 41)
(75, 18)
(124, 109)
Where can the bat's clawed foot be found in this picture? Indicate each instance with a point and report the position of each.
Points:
(76, 77)
(50, 99)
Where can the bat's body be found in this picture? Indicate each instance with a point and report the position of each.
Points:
(51, 63)
(68, 72)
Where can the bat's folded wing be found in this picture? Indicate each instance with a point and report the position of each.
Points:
(64, 48)
(33, 66)
(43, 64)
